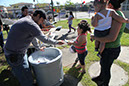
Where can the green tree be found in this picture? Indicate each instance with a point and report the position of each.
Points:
(69, 3)
(58, 3)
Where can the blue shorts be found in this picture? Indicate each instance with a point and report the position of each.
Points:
(82, 57)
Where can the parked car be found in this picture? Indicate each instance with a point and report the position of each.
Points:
(64, 13)
(49, 13)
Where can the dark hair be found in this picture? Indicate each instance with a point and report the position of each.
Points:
(41, 12)
(71, 13)
(116, 3)
(84, 26)
(100, 2)
(83, 21)
(23, 8)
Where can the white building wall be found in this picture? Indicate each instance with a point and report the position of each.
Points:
(125, 9)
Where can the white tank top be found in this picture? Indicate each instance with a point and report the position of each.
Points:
(105, 23)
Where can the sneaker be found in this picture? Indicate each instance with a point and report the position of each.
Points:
(69, 31)
(96, 49)
(74, 30)
(99, 55)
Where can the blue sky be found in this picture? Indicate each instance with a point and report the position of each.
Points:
(9, 2)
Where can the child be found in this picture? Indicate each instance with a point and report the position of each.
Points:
(70, 22)
(80, 44)
(84, 21)
(102, 22)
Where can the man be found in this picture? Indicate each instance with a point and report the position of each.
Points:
(19, 38)
(1, 36)
(24, 11)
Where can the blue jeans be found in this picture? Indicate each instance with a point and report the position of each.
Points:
(70, 26)
(20, 68)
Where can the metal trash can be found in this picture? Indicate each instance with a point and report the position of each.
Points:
(47, 67)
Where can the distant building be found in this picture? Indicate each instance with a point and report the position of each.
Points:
(20, 5)
(44, 6)
(16, 8)
(125, 9)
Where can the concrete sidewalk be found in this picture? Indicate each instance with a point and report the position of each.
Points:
(119, 75)
(124, 55)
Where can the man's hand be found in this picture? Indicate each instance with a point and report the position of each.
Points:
(60, 42)
(42, 48)
(127, 20)
(70, 42)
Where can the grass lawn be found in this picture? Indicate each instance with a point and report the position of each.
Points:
(7, 79)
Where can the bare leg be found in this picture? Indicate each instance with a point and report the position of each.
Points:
(83, 69)
(101, 47)
(97, 44)
(79, 66)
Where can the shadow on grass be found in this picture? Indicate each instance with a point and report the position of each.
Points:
(72, 77)
(7, 78)
(65, 36)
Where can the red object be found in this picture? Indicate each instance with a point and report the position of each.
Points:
(46, 30)
(1, 10)
(83, 2)
(54, 10)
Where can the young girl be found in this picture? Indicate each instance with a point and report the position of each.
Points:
(70, 22)
(80, 44)
(102, 22)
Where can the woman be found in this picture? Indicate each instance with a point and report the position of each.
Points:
(112, 46)
(70, 20)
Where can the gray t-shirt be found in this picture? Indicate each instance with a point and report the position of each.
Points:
(21, 35)
(70, 20)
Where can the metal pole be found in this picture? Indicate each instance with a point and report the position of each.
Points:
(52, 10)
(59, 12)
(75, 12)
